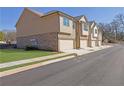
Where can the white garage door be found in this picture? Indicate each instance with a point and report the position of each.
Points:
(65, 44)
(83, 43)
(100, 43)
(93, 43)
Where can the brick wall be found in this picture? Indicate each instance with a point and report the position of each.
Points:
(46, 41)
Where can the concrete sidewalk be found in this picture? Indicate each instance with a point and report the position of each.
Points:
(45, 58)
(87, 50)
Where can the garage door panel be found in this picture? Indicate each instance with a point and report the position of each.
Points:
(100, 43)
(65, 44)
(93, 43)
(83, 43)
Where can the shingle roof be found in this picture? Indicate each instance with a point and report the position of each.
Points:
(35, 12)
(79, 17)
(51, 12)
(91, 22)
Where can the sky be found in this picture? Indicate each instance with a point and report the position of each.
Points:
(9, 16)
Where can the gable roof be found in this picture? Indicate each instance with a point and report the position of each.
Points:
(92, 24)
(60, 13)
(51, 12)
(46, 14)
(79, 17)
(35, 12)
(29, 10)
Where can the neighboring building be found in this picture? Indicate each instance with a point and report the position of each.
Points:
(8, 36)
(95, 35)
(84, 31)
(2, 42)
(54, 31)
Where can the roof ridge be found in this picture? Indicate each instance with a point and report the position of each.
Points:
(35, 12)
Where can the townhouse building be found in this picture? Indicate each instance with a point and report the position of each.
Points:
(56, 31)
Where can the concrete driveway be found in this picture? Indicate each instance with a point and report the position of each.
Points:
(87, 50)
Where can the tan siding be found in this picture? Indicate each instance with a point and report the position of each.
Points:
(83, 20)
(92, 34)
(67, 41)
(95, 40)
(67, 29)
(84, 32)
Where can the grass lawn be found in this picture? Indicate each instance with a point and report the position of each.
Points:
(27, 64)
(8, 55)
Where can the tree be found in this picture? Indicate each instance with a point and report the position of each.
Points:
(113, 31)
(107, 32)
(102, 29)
(2, 36)
(119, 20)
(10, 37)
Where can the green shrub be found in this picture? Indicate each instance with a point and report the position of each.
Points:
(27, 48)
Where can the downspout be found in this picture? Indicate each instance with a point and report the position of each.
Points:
(58, 46)
(77, 35)
(98, 37)
(89, 37)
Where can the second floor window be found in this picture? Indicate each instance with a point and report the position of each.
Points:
(85, 27)
(95, 31)
(65, 21)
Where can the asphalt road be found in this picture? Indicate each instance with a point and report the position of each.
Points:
(101, 68)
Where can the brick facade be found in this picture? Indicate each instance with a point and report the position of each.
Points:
(46, 41)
